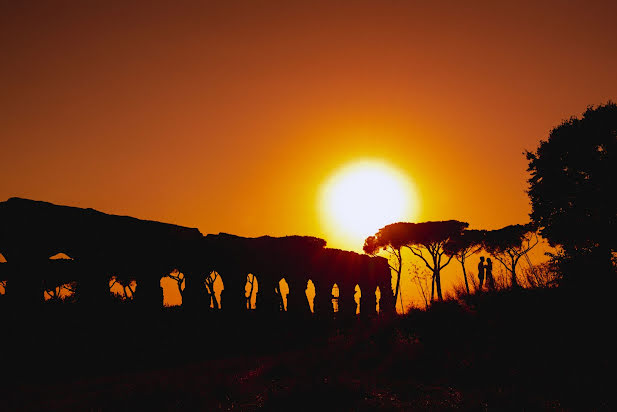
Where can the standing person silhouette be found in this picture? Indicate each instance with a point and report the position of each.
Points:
(481, 268)
(490, 281)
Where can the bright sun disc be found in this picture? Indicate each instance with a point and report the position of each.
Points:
(363, 197)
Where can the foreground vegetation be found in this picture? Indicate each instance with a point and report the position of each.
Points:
(511, 349)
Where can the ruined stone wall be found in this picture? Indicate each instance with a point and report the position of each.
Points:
(104, 245)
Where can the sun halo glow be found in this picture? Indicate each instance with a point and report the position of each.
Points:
(361, 198)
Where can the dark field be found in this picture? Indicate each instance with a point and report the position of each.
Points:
(504, 351)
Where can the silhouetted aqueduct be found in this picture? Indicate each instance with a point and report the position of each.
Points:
(103, 245)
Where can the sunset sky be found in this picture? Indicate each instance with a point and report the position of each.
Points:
(230, 116)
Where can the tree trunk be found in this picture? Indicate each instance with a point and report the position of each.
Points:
(433, 287)
(438, 283)
(397, 290)
(465, 276)
(514, 280)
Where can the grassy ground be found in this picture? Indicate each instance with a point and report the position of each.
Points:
(501, 351)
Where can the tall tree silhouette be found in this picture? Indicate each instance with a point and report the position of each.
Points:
(509, 244)
(462, 247)
(432, 237)
(388, 240)
(572, 187)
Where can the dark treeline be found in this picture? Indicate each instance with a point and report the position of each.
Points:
(436, 244)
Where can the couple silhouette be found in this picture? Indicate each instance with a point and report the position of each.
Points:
(485, 271)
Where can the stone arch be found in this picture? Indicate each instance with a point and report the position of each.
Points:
(251, 288)
(123, 287)
(173, 285)
(336, 294)
(58, 278)
(282, 290)
(310, 294)
(215, 286)
(357, 298)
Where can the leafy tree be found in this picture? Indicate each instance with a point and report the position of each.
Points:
(432, 237)
(572, 187)
(509, 244)
(469, 243)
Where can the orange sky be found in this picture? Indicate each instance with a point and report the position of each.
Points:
(229, 116)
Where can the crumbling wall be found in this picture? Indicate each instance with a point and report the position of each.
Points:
(104, 245)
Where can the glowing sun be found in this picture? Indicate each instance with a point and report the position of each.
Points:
(361, 198)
